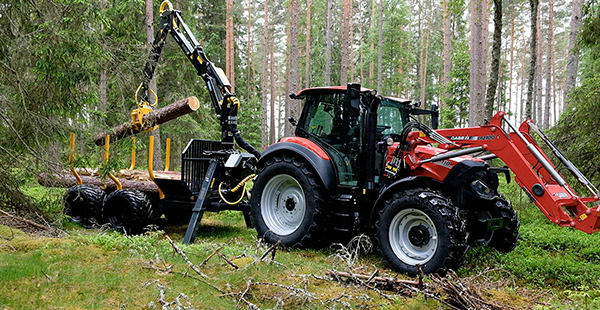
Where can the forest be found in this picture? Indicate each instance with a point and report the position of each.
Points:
(73, 66)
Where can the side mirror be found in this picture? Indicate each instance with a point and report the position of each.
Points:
(353, 95)
(435, 116)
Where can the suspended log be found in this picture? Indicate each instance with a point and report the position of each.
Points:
(157, 117)
(68, 180)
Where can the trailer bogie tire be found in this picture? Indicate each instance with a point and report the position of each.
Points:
(287, 203)
(128, 210)
(505, 239)
(419, 228)
(83, 204)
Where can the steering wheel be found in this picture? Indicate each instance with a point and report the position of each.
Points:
(382, 128)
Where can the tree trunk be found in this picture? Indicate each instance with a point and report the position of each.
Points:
(229, 45)
(346, 41)
(267, 114)
(447, 46)
(307, 47)
(538, 72)
(479, 46)
(549, 66)
(157, 117)
(532, 63)
(495, 66)
(512, 57)
(573, 58)
(149, 41)
(328, 40)
(380, 47)
(293, 106)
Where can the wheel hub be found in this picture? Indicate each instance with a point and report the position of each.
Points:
(419, 235)
(290, 204)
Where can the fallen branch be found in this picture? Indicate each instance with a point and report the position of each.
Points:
(228, 261)
(26, 221)
(271, 250)
(185, 258)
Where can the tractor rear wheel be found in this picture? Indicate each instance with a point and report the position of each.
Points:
(505, 238)
(419, 228)
(83, 204)
(128, 210)
(287, 203)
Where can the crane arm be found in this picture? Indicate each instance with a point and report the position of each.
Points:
(224, 102)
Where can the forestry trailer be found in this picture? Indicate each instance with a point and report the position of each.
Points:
(361, 163)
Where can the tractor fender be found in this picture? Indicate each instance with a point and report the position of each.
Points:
(308, 151)
(398, 186)
(463, 172)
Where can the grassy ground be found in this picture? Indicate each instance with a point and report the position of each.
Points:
(552, 268)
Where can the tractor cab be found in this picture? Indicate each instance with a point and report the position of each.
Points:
(330, 120)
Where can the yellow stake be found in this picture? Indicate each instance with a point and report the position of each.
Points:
(106, 149)
(151, 165)
(72, 159)
(168, 156)
(132, 154)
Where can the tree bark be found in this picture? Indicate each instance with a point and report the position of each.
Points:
(328, 40)
(157, 117)
(149, 41)
(229, 45)
(293, 106)
(380, 47)
(68, 180)
(549, 66)
(447, 46)
(479, 47)
(346, 41)
(573, 57)
(532, 63)
(307, 46)
(495, 66)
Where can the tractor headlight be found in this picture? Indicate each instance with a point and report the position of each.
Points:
(483, 190)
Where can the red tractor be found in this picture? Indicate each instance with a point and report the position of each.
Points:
(360, 162)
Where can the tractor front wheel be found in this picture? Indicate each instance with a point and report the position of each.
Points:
(83, 204)
(419, 228)
(128, 210)
(287, 202)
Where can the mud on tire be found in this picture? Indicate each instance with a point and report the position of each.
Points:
(287, 203)
(128, 210)
(83, 204)
(421, 227)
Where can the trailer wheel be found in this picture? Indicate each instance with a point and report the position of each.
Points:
(83, 203)
(421, 228)
(128, 210)
(505, 239)
(287, 203)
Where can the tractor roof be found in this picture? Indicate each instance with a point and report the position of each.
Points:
(325, 89)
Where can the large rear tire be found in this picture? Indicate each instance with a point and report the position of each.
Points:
(505, 239)
(83, 204)
(419, 228)
(287, 203)
(128, 210)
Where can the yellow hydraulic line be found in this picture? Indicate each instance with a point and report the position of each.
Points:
(132, 154)
(72, 159)
(106, 149)
(168, 156)
(151, 165)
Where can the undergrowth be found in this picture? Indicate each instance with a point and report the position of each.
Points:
(551, 268)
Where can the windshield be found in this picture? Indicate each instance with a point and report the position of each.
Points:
(391, 117)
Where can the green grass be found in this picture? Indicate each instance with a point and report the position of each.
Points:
(94, 269)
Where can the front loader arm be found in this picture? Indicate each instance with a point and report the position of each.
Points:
(534, 172)
(224, 102)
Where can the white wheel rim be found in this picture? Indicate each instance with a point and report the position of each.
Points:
(416, 224)
(283, 205)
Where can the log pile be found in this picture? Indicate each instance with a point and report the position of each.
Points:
(157, 117)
